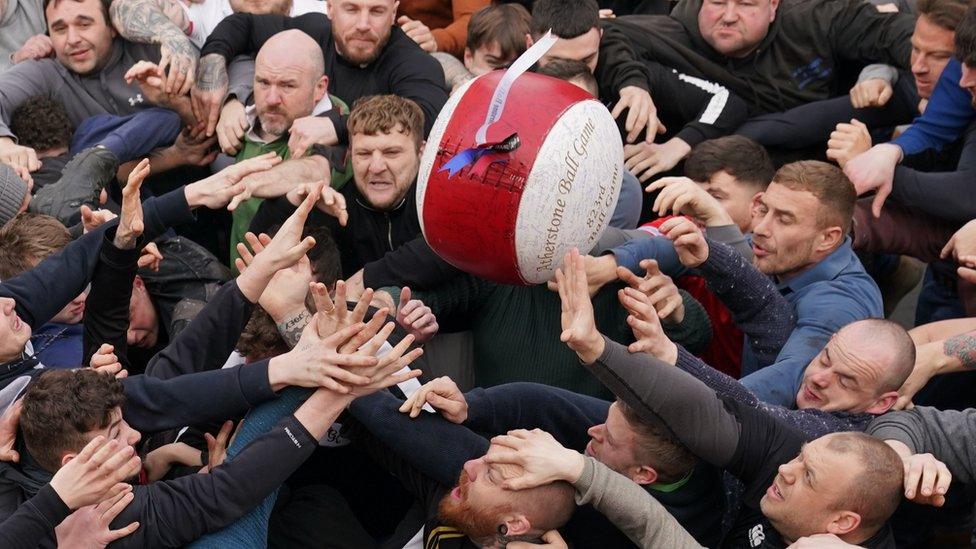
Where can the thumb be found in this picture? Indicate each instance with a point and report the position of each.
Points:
(879, 200)
(859, 124)
(403, 19)
(885, 95)
(947, 249)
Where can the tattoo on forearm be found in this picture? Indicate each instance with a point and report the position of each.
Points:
(291, 328)
(212, 74)
(143, 21)
(963, 348)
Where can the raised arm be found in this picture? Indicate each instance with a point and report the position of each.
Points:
(162, 22)
(949, 435)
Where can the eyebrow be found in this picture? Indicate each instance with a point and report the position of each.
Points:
(806, 465)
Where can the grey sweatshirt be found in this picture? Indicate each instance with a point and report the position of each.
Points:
(630, 508)
(949, 435)
(84, 96)
(20, 20)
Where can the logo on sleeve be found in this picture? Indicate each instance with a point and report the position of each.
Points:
(292, 437)
(133, 101)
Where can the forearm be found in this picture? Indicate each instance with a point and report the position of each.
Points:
(949, 435)
(757, 307)
(154, 405)
(430, 443)
(658, 391)
(285, 176)
(941, 330)
(148, 22)
(208, 340)
(723, 384)
(630, 508)
(107, 306)
(943, 195)
(34, 520)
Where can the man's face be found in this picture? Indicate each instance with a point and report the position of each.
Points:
(968, 81)
(803, 498)
(734, 196)
(361, 27)
(385, 166)
(14, 333)
(735, 27)
(73, 312)
(143, 320)
(785, 231)
(284, 93)
(82, 38)
(485, 59)
(262, 7)
(613, 443)
(584, 48)
(932, 47)
(846, 376)
(473, 505)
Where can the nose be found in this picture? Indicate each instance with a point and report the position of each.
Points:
(471, 467)
(73, 35)
(821, 379)
(362, 22)
(968, 79)
(729, 14)
(920, 66)
(6, 305)
(273, 97)
(596, 432)
(376, 163)
(762, 226)
(787, 472)
(134, 437)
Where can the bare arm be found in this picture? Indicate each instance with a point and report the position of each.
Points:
(943, 329)
(160, 22)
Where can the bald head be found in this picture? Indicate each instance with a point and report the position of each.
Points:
(289, 80)
(293, 49)
(890, 344)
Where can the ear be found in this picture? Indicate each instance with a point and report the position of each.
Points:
(644, 474)
(883, 403)
(328, 9)
(830, 238)
(420, 150)
(844, 522)
(67, 457)
(468, 58)
(773, 5)
(394, 11)
(517, 525)
(528, 41)
(321, 88)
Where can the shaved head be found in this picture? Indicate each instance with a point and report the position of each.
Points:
(890, 344)
(289, 80)
(293, 48)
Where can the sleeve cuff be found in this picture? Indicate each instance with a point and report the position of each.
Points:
(254, 382)
(49, 505)
(585, 482)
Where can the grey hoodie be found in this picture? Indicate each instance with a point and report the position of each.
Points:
(949, 435)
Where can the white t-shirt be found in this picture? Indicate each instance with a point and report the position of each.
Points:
(205, 16)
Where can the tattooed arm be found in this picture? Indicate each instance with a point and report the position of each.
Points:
(291, 327)
(165, 23)
(210, 90)
(953, 354)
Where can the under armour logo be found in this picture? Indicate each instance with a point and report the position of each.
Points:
(134, 100)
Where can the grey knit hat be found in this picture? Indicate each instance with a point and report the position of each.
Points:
(12, 192)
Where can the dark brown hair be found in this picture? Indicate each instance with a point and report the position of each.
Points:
(945, 14)
(504, 24)
(738, 156)
(28, 239)
(41, 123)
(61, 407)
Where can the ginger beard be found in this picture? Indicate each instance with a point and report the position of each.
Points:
(455, 509)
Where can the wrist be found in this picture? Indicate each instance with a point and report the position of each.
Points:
(669, 353)
(572, 466)
(592, 349)
(606, 271)
(277, 372)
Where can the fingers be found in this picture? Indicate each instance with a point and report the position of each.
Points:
(948, 248)
(879, 199)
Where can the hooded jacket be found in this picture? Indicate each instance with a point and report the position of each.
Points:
(798, 60)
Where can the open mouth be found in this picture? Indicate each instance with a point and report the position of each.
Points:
(810, 395)
(774, 492)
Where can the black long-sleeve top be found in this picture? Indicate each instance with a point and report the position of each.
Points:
(402, 68)
(745, 440)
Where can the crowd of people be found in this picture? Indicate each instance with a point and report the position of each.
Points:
(221, 325)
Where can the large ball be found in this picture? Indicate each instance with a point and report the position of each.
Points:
(513, 222)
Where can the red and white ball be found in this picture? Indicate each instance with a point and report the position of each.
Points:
(558, 189)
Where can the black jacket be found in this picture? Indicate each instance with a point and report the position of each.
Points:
(796, 63)
(402, 68)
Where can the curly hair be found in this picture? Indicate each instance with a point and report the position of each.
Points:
(61, 407)
(41, 123)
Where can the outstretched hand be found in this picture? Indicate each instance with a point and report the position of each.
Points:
(416, 318)
(689, 242)
(225, 186)
(659, 288)
(131, 222)
(442, 394)
(643, 321)
(578, 324)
